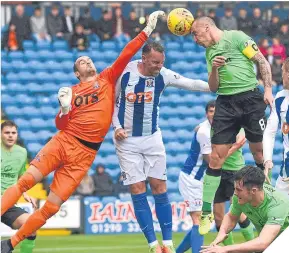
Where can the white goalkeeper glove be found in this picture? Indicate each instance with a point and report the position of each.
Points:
(65, 97)
(152, 22)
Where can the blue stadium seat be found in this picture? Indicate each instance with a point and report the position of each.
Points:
(30, 112)
(108, 45)
(34, 148)
(42, 100)
(96, 56)
(189, 46)
(34, 87)
(16, 55)
(7, 99)
(13, 112)
(28, 45)
(108, 199)
(22, 124)
(110, 55)
(174, 56)
(18, 66)
(37, 66)
(71, 78)
(46, 55)
(16, 87)
(26, 77)
(28, 136)
(125, 197)
(4, 56)
(60, 77)
(43, 77)
(37, 124)
(113, 173)
(137, 56)
(175, 197)
(172, 186)
(94, 45)
(192, 75)
(60, 45)
(50, 88)
(67, 66)
(44, 136)
(24, 99)
(43, 45)
(5, 66)
(48, 111)
(30, 55)
(173, 173)
(100, 65)
(107, 147)
(62, 55)
(12, 77)
(172, 46)
(53, 66)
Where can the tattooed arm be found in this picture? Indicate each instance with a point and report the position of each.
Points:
(266, 75)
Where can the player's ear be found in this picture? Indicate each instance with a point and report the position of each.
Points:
(77, 74)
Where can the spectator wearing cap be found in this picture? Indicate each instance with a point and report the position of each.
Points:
(21, 23)
(105, 26)
(102, 181)
(38, 25)
(79, 40)
(54, 23)
(87, 22)
(228, 22)
(244, 22)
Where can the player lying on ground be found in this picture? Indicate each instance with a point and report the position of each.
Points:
(230, 59)
(84, 119)
(138, 139)
(266, 208)
(191, 183)
(279, 115)
(13, 162)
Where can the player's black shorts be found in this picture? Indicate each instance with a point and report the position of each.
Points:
(11, 215)
(226, 187)
(233, 112)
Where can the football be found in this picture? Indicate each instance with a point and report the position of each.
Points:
(179, 21)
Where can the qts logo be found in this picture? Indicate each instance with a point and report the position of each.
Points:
(139, 97)
(86, 99)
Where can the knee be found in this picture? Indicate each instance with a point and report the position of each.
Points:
(158, 186)
(218, 218)
(49, 209)
(216, 160)
(137, 188)
(26, 182)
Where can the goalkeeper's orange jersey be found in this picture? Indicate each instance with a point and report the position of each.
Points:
(93, 102)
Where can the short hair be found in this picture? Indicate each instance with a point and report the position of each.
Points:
(9, 123)
(152, 45)
(286, 65)
(67, 7)
(251, 176)
(209, 20)
(37, 8)
(100, 165)
(210, 104)
(54, 6)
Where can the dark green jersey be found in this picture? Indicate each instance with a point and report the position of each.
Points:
(12, 165)
(238, 74)
(273, 210)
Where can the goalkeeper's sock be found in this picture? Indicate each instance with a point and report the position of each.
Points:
(247, 230)
(212, 181)
(164, 215)
(229, 240)
(144, 217)
(197, 240)
(185, 244)
(28, 245)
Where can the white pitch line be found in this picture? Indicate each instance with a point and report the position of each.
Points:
(86, 248)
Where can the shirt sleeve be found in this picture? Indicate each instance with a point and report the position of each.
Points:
(115, 121)
(174, 79)
(235, 208)
(61, 122)
(23, 168)
(269, 134)
(205, 143)
(245, 44)
(125, 56)
(277, 213)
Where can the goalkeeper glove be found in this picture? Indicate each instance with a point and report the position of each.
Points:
(64, 98)
(152, 22)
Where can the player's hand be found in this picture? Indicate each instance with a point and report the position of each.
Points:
(285, 179)
(152, 21)
(120, 134)
(220, 238)
(65, 97)
(30, 200)
(268, 98)
(267, 168)
(213, 249)
(219, 61)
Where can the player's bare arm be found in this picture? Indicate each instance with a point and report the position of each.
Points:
(266, 75)
(218, 62)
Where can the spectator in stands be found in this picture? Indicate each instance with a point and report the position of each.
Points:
(200, 13)
(68, 23)
(118, 22)
(284, 37)
(212, 15)
(276, 69)
(162, 28)
(102, 181)
(132, 26)
(259, 26)
(263, 46)
(244, 22)
(274, 26)
(87, 22)
(21, 23)
(11, 40)
(105, 26)
(228, 22)
(54, 23)
(79, 40)
(119, 187)
(38, 25)
(86, 187)
(270, 56)
(278, 48)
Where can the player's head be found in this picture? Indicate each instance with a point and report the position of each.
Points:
(249, 184)
(285, 73)
(9, 133)
(153, 58)
(203, 30)
(210, 110)
(84, 67)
